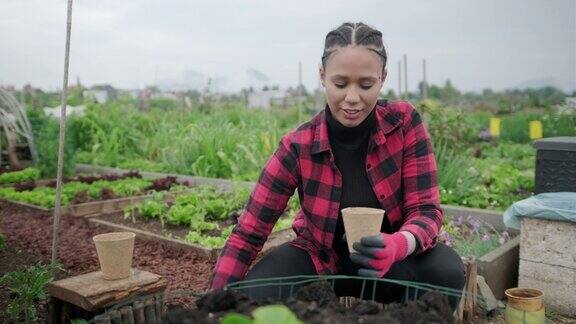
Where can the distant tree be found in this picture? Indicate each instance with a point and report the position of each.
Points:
(301, 89)
(75, 96)
(390, 95)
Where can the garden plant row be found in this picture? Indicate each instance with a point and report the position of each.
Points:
(235, 143)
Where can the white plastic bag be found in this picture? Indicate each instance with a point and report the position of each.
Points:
(551, 205)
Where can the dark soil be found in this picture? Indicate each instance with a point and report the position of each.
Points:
(31, 232)
(166, 183)
(317, 303)
(7, 169)
(150, 225)
(24, 186)
(108, 177)
(179, 232)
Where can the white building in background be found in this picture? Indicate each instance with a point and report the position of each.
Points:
(101, 96)
(273, 98)
(134, 94)
(570, 102)
(54, 112)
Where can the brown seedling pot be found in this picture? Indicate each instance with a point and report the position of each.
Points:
(115, 251)
(360, 222)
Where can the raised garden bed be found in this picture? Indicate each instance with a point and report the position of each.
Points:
(86, 195)
(499, 266)
(314, 303)
(275, 239)
(497, 247)
(201, 218)
(8, 177)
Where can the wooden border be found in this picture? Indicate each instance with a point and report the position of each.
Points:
(222, 184)
(37, 183)
(27, 205)
(89, 209)
(95, 208)
(210, 254)
(275, 239)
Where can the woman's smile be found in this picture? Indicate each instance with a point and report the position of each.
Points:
(352, 114)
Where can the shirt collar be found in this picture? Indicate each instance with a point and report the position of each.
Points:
(386, 121)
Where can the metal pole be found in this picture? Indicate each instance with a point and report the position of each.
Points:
(424, 83)
(58, 204)
(299, 76)
(405, 76)
(299, 92)
(399, 79)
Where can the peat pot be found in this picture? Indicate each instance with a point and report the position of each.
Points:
(115, 252)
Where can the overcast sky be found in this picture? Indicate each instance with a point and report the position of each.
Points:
(133, 43)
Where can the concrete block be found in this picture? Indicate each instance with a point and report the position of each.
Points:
(500, 267)
(556, 282)
(548, 241)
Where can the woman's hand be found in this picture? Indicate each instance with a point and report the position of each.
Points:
(377, 253)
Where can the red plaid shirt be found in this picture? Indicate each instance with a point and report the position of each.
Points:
(400, 165)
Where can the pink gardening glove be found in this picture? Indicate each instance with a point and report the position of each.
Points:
(377, 253)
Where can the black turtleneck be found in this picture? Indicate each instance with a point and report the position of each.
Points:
(350, 146)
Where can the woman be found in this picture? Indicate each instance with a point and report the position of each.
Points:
(358, 152)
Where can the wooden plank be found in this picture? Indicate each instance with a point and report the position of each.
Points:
(223, 184)
(105, 206)
(275, 239)
(206, 253)
(54, 310)
(115, 316)
(37, 183)
(139, 317)
(127, 315)
(89, 209)
(159, 300)
(102, 319)
(23, 204)
(91, 291)
(150, 311)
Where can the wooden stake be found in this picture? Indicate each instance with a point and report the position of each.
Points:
(63, 98)
(150, 311)
(102, 319)
(115, 317)
(127, 315)
(467, 308)
(139, 317)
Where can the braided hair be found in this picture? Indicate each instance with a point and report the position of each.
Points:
(354, 34)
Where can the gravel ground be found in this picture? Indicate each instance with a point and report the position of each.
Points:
(31, 233)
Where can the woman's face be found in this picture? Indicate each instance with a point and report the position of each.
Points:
(353, 78)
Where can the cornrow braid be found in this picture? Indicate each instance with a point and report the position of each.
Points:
(354, 34)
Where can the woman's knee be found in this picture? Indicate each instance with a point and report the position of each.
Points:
(285, 260)
(442, 267)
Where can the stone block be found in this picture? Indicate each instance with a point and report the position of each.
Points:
(556, 282)
(548, 241)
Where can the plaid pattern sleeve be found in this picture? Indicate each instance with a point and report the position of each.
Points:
(277, 182)
(421, 206)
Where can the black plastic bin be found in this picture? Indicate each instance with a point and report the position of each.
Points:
(555, 164)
